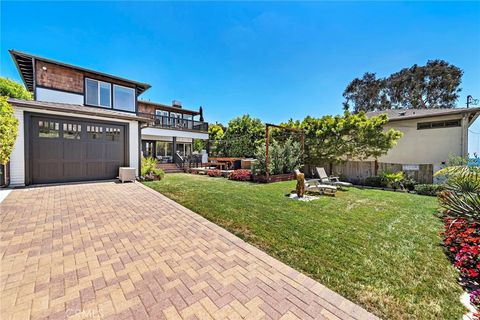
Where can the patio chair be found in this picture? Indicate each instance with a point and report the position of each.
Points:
(317, 185)
(324, 178)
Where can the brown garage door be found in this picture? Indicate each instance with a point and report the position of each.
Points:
(68, 149)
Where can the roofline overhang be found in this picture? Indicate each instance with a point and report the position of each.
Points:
(475, 111)
(82, 111)
(170, 108)
(14, 53)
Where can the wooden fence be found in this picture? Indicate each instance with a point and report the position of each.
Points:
(357, 171)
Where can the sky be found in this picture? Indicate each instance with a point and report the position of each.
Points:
(272, 60)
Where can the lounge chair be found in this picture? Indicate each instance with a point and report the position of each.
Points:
(324, 178)
(316, 185)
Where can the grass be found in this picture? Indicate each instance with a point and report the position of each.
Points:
(379, 249)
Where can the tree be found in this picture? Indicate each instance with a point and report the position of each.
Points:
(366, 94)
(242, 137)
(8, 122)
(11, 89)
(348, 137)
(435, 85)
(215, 133)
(8, 130)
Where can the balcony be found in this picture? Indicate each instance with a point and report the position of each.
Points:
(164, 122)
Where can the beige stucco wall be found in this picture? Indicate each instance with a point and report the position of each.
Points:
(424, 146)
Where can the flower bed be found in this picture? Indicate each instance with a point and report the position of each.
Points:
(461, 237)
(214, 173)
(274, 178)
(462, 241)
(240, 175)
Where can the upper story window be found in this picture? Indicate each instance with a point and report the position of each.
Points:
(123, 98)
(438, 124)
(98, 93)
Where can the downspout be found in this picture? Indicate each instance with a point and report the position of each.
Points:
(139, 148)
(464, 138)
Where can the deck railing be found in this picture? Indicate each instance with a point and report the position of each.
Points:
(175, 123)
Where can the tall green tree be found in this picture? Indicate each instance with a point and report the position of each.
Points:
(215, 133)
(434, 85)
(345, 137)
(242, 137)
(366, 91)
(8, 130)
(12, 89)
(8, 122)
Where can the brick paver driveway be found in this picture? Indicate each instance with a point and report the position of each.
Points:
(107, 250)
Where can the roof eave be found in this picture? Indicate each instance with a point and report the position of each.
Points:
(83, 111)
(160, 105)
(19, 69)
(141, 85)
(440, 114)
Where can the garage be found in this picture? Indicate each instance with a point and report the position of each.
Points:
(71, 149)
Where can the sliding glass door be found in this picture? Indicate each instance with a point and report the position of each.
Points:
(164, 151)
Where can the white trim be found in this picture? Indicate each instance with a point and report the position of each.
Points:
(17, 159)
(174, 133)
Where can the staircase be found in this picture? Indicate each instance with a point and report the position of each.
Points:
(169, 167)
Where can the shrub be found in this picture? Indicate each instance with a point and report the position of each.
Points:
(429, 189)
(375, 181)
(12, 89)
(8, 130)
(149, 170)
(240, 175)
(394, 179)
(284, 157)
(214, 173)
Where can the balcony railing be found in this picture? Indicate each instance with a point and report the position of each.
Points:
(175, 123)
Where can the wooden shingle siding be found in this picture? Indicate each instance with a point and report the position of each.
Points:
(58, 77)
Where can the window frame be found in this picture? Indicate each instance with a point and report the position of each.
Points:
(442, 124)
(134, 98)
(99, 82)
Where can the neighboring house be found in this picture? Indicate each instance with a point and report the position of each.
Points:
(172, 130)
(82, 124)
(430, 136)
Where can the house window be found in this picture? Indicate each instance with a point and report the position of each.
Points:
(164, 149)
(98, 93)
(189, 121)
(123, 98)
(438, 124)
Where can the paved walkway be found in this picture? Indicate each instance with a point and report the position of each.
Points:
(113, 251)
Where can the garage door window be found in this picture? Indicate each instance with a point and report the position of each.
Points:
(94, 132)
(48, 129)
(112, 134)
(72, 131)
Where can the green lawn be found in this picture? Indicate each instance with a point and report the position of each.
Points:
(380, 249)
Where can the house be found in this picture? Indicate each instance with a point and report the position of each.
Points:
(430, 136)
(84, 124)
(172, 130)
